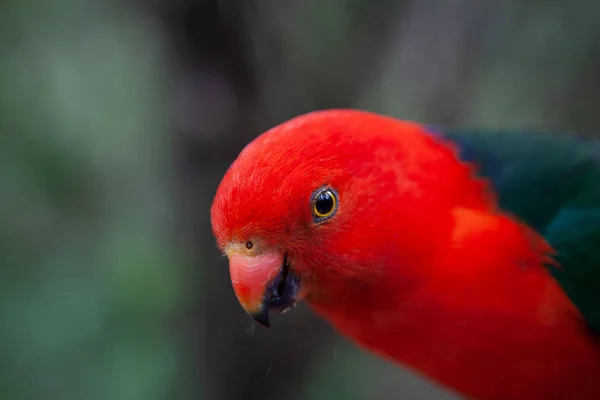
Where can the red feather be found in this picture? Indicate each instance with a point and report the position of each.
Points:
(419, 264)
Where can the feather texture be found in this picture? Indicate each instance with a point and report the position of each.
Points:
(552, 182)
(435, 256)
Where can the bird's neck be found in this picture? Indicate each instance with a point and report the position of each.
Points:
(488, 321)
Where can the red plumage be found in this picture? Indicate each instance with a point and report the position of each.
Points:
(418, 264)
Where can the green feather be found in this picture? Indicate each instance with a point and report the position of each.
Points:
(552, 182)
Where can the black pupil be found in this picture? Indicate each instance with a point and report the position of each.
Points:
(249, 245)
(324, 203)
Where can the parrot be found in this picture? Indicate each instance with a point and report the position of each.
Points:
(470, 257)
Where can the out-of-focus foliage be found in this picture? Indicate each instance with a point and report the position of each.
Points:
(91, 277)
(117, 123)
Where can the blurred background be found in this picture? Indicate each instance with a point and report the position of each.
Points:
(118, 119)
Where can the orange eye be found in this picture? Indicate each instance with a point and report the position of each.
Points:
(324, 204)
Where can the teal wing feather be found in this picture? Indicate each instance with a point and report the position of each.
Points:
(552, 182)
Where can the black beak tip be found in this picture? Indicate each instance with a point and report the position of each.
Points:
(262, 317)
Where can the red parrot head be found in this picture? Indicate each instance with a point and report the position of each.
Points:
(304, 211)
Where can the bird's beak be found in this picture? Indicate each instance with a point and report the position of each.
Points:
(263, 283)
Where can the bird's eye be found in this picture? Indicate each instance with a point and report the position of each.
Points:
(324, 204)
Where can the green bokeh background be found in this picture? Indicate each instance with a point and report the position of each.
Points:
(118, 119)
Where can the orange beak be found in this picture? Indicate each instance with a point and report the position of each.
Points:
(263, 283)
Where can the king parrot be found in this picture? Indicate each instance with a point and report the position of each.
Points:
(470, 257)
